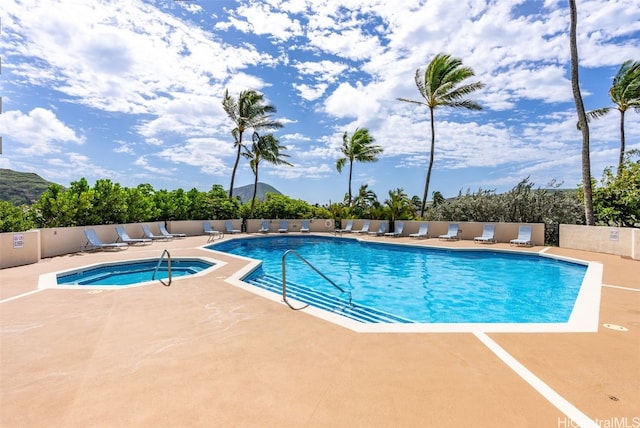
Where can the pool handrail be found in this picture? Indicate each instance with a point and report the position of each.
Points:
(168, 268)
(284, 278)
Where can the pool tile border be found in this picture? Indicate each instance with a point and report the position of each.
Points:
(584, 317)
(49, 280)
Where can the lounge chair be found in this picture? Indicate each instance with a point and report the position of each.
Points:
(452, 233)
(213, 234)
(488, 234)
(123, 236)
(423, 231)
(347, 228)
(365, 228)
(148, 234)
(524, 236)
(265, 227)
(284, 226)
(94, 243)
(382, 229)
(304, 226)
(229, 227)
(165, 232)
(398, 228)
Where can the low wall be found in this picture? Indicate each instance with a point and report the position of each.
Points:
(29, 247)
(622, 241)
(19, 248)
(65, 240)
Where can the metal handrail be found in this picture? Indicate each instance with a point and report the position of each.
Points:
(165, 252)
(284, 278)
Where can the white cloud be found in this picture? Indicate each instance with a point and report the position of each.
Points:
(40, 132)
(349, 101)
(142, 162)
(159, 70)
(263, 20)
(311, 93)
(200, 152)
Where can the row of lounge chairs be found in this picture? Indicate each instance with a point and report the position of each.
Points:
(124, 240)
(488, 232)
(264, 228)
(284, 226)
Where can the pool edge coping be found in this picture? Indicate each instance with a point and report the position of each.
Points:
(584, 316)
(48, 281)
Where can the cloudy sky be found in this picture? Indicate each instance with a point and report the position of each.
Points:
(131, 90)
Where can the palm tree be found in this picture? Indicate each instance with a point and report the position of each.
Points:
(582, 118)
(625, 93)
(399, 205)
(267, 148)
(360, 147)
(441, 85)
(247, 112)
(438, 198)
(365, 201)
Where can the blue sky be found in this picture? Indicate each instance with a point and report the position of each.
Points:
(131, 90)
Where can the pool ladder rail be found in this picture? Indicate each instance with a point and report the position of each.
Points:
(284, 279)
(155, 271)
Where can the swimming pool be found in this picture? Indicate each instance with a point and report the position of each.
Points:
(132, 272)
(423, 285)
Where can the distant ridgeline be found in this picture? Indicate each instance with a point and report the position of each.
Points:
(246, 192)
(25, 188)
(21, 188)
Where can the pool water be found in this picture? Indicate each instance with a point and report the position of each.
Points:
(133, 272)
(425, 285)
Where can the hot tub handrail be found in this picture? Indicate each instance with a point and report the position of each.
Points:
(165, 252)
(284, 277)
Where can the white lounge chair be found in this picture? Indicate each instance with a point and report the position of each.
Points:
(382, 229)
(165, 232)
(524, 237)
(423, 231)
(365, 227)
(148, 234)
(398, 228)
(347, 228)
(229, 227)
(94, 243)
(304, 226)
(124, 237)
(265, 227)
(213, 234)
(284, 226)
(452, 234)
(488, 234)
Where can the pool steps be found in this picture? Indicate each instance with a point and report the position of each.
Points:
(325, 301)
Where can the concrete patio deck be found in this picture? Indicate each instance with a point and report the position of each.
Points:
(206, 353)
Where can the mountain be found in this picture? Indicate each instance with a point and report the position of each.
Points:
(21, 187)
(25, 188)
(246, 192)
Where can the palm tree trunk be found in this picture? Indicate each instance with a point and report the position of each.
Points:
(255, 190)
(433, 145)
(235, 165)
(582, 119)
(350, 175)
(621, 161)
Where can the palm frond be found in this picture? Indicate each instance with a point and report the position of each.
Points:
(598, 113)
(410, 101)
